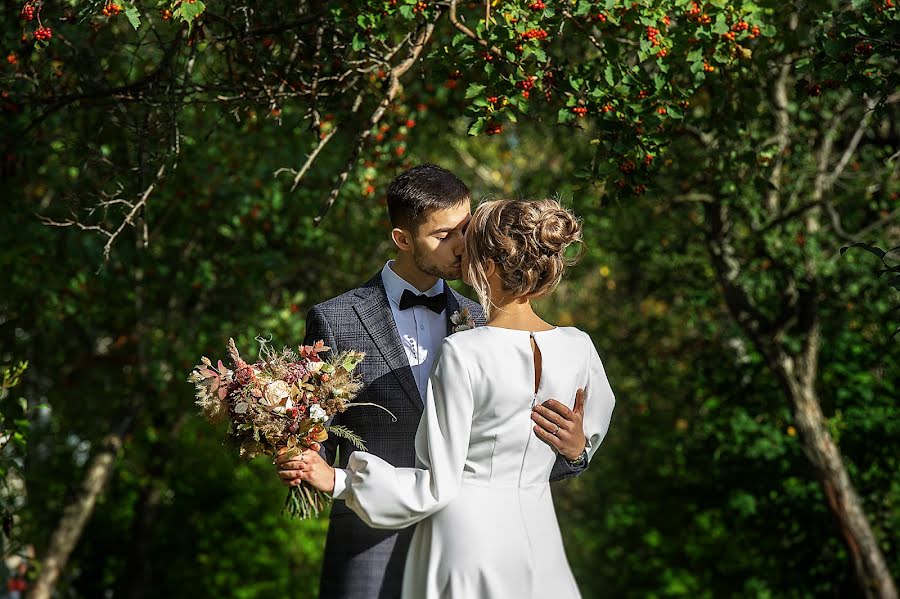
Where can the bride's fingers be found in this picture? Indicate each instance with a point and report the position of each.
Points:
(553, 407)
(289, 474)
(549, 422)
(548, 438)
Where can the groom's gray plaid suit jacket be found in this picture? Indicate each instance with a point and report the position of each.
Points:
(362, 562)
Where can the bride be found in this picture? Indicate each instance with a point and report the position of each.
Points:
(486, 524)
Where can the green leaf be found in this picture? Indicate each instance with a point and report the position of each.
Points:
(609, 75)
(474, 89)
(188, 12)
(869, 248)
(357, 44)
(477, 126)
(564, 116)
(720, 26)
(133, 15)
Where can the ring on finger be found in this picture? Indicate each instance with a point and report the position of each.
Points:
(556, 431)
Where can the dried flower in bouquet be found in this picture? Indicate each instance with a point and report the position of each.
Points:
(283, 400)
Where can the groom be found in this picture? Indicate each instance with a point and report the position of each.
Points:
(399, 318)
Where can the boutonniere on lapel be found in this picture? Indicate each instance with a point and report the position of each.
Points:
(462, 321)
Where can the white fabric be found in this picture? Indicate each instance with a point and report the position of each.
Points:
(421, 329)
(481, 496)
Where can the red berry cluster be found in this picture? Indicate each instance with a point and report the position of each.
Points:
(864, 49)
(43, 34)
(708, 68)
(754, 33)
(29, 11)
(667, 20)
(11, 58)
(600, 17)
(166, 14)
(111, 9)
(740, 26)
(652, 32)
(661, 110)
(526, 84)
(537, 5)
(493, 100)
(694, 11)
(643, 94)
(420, 7)
(536, 34)
(627, 167)
(648, 159)
(494, 128)
(580, 111)
(487, 57)
(607, 108)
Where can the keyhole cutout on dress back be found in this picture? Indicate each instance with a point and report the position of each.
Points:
(538, 362)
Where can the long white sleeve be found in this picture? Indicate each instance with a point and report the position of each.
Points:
(384, 496)
(599, 402)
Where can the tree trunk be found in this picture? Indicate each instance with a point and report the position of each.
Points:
(76, 515)
(823, 453)
(797, 375)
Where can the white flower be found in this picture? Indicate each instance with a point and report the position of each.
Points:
(276, 392)
(317, 413)
(462, 320)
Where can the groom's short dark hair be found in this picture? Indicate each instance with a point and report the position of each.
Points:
(421, 190)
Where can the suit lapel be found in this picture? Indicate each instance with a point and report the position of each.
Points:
(375, 314)
(456, 302)
(452, 306)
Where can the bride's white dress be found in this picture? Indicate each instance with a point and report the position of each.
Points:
(487, 527)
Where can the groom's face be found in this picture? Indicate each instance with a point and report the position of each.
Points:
(438, 243)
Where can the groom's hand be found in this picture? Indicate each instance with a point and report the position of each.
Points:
(560, 427)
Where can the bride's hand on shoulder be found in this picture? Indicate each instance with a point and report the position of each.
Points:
(316, 471)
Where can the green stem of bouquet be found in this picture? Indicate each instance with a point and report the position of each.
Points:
(305, 501)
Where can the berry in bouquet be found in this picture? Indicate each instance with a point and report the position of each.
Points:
(283, 400)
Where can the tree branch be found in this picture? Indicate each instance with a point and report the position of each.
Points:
(393, 87)
(461, 27)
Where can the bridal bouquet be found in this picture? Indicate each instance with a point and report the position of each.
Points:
(282, 400)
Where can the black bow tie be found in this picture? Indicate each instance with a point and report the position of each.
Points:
(436, 303)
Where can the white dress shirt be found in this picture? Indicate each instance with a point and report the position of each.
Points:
(421, 332)
(421, 329)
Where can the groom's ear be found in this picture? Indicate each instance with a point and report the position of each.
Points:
(402, 239)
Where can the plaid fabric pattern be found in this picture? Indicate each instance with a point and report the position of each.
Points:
(361, 562)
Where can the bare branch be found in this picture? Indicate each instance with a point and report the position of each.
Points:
(851, 147)
(461, 27)
(578, 25)
(311, 158)
(393, 87)
(738, 299)
(782, 136)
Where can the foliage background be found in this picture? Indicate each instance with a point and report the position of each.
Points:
(701, 489)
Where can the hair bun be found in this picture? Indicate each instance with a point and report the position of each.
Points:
(527, 240)
(556, 228)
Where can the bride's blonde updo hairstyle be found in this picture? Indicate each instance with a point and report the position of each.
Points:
(527, 240)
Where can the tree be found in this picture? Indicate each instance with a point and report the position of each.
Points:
(663, 95)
